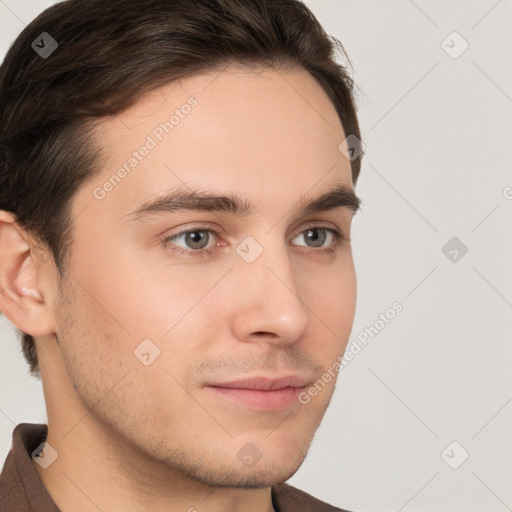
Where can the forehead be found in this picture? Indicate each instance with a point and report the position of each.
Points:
(262, 133)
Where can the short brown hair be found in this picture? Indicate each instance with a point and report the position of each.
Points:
(111, 52)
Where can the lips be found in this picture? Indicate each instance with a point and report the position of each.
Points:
(265, 383)
(261, 393)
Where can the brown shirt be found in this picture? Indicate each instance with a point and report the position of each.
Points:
(21, 489)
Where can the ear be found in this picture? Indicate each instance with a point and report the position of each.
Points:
(21, 299)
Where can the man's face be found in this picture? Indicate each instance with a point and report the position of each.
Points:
(144, 327)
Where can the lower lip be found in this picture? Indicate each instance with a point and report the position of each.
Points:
(260, 399)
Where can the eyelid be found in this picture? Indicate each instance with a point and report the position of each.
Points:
(195, 227)
(309, 224)
(319, 224)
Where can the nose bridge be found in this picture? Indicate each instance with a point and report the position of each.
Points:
(268, 293)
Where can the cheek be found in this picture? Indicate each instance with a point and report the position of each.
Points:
(331, 298)
(110, 379)
(131, 299)
(118, 304)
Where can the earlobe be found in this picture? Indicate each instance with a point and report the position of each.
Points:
(21, 299)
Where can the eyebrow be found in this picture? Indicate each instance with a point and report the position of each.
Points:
(190, 199)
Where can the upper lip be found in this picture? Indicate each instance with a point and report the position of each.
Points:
(265, 383)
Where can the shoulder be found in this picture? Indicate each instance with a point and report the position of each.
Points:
(287, 498)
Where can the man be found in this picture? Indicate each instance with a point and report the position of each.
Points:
(177, 190)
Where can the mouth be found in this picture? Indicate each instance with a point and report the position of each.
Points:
(262, 393)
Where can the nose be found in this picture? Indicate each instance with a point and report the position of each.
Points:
(268, 305)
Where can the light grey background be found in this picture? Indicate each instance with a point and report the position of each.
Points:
(438, 135)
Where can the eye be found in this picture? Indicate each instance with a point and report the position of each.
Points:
(317, 235)
(196, 240)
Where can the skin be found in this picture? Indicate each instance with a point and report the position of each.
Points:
(128, 435)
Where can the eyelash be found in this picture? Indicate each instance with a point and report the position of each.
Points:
(338, 237)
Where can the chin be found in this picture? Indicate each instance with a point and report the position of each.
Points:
(252, 478)
(222, 470)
